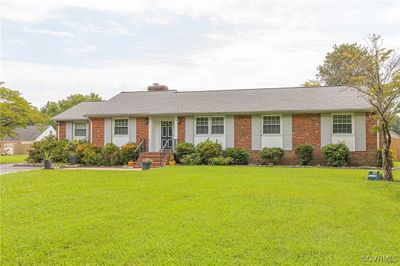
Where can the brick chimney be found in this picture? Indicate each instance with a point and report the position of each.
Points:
(157, 87)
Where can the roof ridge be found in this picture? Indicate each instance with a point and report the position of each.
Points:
(246, 89)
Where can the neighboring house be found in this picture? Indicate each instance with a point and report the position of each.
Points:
(24, 138)
(395, 147)
(248, 118)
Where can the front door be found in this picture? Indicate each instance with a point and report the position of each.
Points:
(166, 135)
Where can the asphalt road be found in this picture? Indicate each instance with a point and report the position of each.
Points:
(9, 168)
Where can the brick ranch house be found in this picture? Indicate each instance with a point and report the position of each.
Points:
(248, 118)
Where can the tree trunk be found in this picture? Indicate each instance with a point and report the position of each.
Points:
(386, 159)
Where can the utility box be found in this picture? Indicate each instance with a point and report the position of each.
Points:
(374, 175)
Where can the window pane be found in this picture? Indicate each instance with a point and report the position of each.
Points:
(342, 124)
(217, 125)
(202, 125)
(121, 126)
(272, 125)
(80, 129)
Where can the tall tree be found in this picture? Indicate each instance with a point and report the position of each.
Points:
(311, 83)
(379, 81)
(340, 65)
(16, 112)
(55, 108)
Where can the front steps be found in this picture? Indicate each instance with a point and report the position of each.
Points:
(159, 158)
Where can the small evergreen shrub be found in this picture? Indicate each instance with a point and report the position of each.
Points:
(191, 159)
(57, 148)
(88, 154)
(304, 154)
(379, 157)
(220, 160)
(208, 149)
(183, 149)
(110, 154)
(336, 154)
(239, 155)
(271, 155)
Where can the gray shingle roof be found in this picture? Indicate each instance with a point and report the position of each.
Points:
(77, 112)
(299, 99)
(30, 133)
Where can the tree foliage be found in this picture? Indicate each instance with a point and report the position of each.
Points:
(16, 112)
(55, 108)
(379, 81)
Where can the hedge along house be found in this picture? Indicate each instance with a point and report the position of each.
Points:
(248, 118)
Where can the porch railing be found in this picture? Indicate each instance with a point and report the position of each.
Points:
(169, 143)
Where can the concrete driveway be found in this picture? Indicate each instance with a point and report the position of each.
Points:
(9, 168)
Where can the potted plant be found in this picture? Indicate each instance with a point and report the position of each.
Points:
(171, 161)
(131, 163)
(46, 159)
(73, 159)
(146, 163)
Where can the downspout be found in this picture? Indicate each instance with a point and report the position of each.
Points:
(58, 130)
(91, 131)
(377, 136)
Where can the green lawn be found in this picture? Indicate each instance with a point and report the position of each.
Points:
(12, 158)
(396, 164)
(198, 215)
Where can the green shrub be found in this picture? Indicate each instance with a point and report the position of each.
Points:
(379, 157)
(110, 154)
(191, 159)
(58, 150)
(271, 155)
(88, 154)
(183, 149)
(304, 153)
(336, 154)
(220, 160)
(208, 149)
(127, 152)
(239, 155)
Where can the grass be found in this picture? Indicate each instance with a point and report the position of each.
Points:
(198, 215)
(12, 158)
(396, 164)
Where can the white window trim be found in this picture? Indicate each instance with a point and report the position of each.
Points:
(209, 117)
(262, 126)
(74, 127)
(113, 127)
(352, 125)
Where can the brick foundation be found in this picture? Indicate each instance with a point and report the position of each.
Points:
(242, 131)
(98, 131)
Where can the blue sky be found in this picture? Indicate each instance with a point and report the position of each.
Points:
(52, 48)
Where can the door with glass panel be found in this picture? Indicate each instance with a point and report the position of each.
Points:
(166, 135)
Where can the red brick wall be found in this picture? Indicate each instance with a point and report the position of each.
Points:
(62, 127)
(367, 157)
(181, 129)
(142, 129)
(242, 131)
(98, 131)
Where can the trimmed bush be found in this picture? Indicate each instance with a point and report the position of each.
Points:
(220, 160)
(183, 149)
(304, 154)
(191, 159)
(379, 157)
(58, 150)
(127, 153)
(239, 155)
(271, 155)
(88, 154)
(208, 149)
(110, 154)
(336, 154)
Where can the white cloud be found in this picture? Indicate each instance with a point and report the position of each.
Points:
(50, 32)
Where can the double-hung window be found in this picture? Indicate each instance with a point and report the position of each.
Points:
(80, 129)
(272, 124)
(202, 125)
(217, 125)
(342, 124)
(121, 127)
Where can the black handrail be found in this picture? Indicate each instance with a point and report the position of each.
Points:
(163, 149)
(139, 147)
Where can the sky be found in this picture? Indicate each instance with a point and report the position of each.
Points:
(53, 48)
